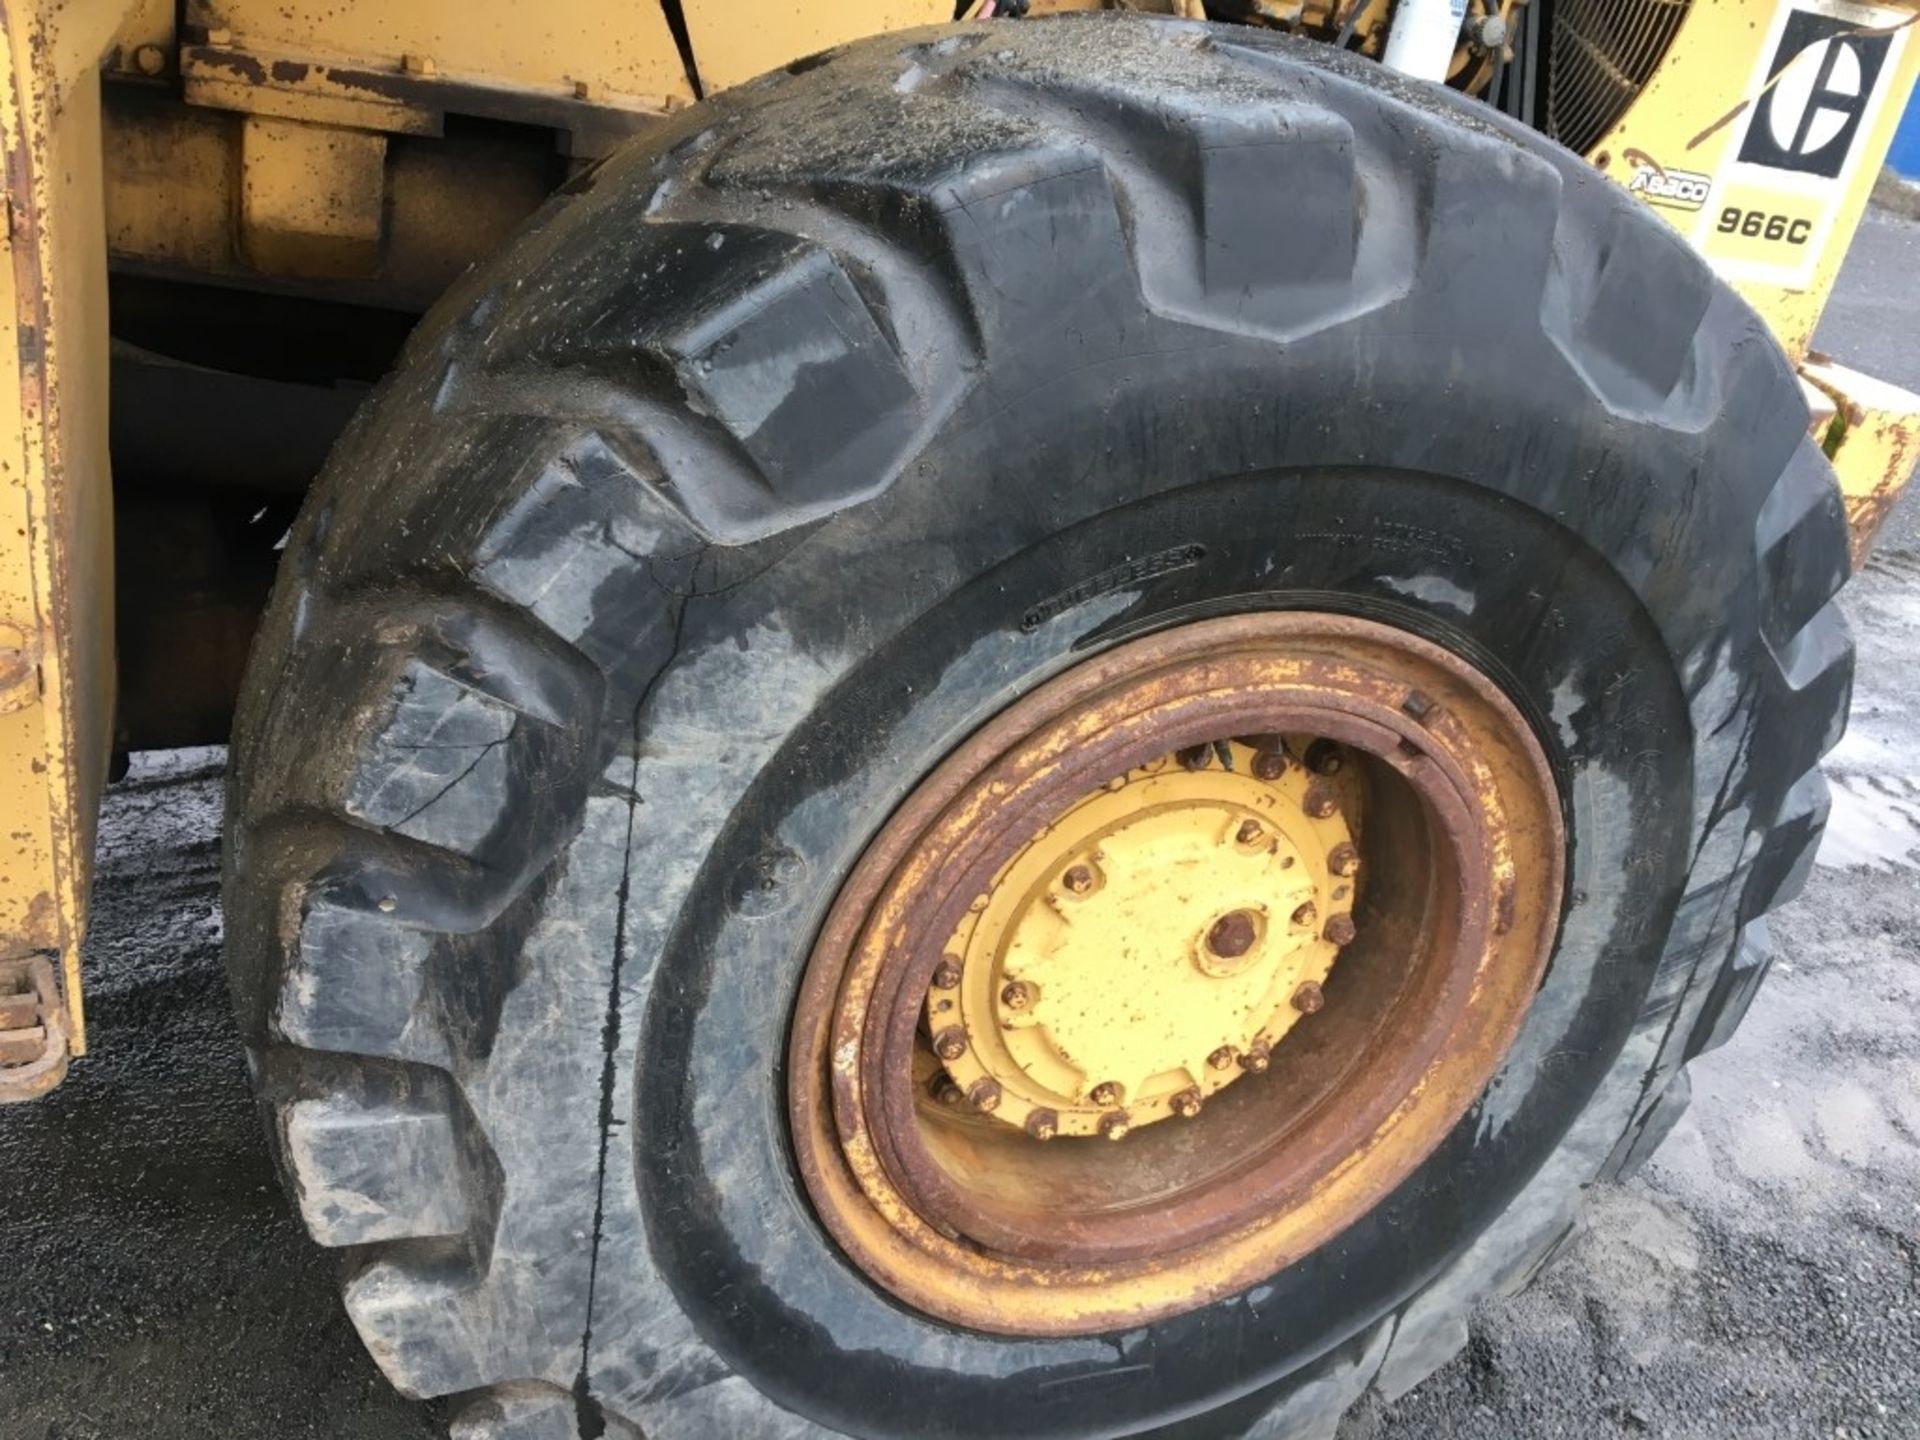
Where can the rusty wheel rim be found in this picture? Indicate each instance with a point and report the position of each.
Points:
(981, 1223)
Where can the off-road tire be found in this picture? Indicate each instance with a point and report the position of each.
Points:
(796, 441)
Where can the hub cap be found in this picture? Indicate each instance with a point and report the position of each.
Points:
(1173, 972)
(1133, 959)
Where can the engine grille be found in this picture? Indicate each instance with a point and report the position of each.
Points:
(1600, 56)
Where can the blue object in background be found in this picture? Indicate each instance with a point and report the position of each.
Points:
(1904, 155)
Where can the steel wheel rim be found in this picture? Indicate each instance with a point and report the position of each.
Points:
(901, 1194)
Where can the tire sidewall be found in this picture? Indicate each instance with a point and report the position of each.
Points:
(729, 1225)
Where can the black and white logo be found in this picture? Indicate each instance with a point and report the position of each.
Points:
(1808, 120)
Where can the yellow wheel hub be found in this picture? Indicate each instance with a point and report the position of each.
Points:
(1150, 947)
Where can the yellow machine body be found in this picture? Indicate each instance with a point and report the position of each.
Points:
(342, 152)
(1759, 138)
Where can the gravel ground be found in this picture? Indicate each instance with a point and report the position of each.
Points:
(1760, 1278)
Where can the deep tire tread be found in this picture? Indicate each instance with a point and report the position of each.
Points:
(615, 447)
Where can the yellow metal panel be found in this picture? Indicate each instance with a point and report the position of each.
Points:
(170, 186)
(735, 40)
(1766, 165)
(311, 198)
(173, 177)
(56, 574)
(555, 46)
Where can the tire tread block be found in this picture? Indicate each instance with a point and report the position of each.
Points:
(1040, 231)
(801, 375)
(436, 770)
(371, 1172)
(1786, 856)
(1801, 534)
(1734, 987)
(355, 983)
(1627, 306)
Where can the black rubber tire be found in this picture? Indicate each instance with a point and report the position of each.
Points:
(789, 447)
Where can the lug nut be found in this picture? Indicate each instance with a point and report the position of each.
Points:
(946, 1092)
(1186, 1104)
(1107, 1092)
(946, 975)
(1308, 998)
(1042, 1124)
(1270, 764)
(950, 1043)
(1233, 934)
(1320, 801)
(1258, 1057)
(1016, 995)
(1324, 757)
(1306, 914)
(984, 1095)
(1115, 1124)
(1343, 859)
(1221, 1059)
(1251, 832)
(1078, 879)
(1340, 930)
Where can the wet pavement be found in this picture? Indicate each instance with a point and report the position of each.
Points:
(1760, 1278)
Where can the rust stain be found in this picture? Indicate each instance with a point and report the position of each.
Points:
(237, 63)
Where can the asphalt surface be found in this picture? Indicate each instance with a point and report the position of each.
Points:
(1760, 1278)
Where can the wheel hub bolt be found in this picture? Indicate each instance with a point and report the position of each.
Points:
(1042, 1124)
(1343, 860)
(984, 1095)
(1325, 758)
(1017, 995)
(1251, 832)
(1233, 934)
(946, 975)
(1258, 1057)
(1078, 879)
(1270, 764)
(1306, 914)
(1186, 1104)
(1114, 1124)
(1340, 930)
(1320, 801)
(947, 1093)
(950, 1043)
(1308, 998)
(1105, 1093)
(1221, 1059)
